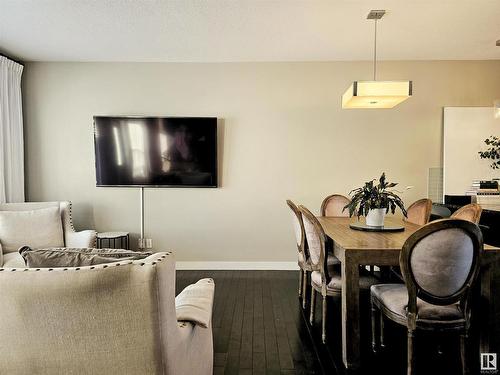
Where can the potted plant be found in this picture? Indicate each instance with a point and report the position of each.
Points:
(493, 152)
(374, 201)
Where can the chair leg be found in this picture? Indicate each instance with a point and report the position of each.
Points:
(323, 321)
(374, 327)
(301, 278)
(304, 290)
(382, 330)
(411, 353)
(463, 353)
(313, 305)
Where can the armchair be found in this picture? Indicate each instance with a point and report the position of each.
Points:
(116, 318)
(72, 238)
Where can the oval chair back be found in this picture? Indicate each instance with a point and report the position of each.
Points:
(298, 227)
(315, 237)
(440, 263)
(334, 204)
(419, 212)
(471, 212)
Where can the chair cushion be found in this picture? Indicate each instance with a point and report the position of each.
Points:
(13, 260)
(306, 266)
(35, 228)
(331, 261)
(76, 257)
(394, 298)
(335, 284)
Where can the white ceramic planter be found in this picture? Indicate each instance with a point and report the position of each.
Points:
(375, 217)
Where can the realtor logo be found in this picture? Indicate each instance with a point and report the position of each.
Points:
(488, 361)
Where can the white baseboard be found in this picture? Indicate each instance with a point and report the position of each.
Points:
(278, 266)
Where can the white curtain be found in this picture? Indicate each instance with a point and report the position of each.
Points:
(11, 132)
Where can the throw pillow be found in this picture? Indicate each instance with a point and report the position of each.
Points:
(36, 228)
(76, 257)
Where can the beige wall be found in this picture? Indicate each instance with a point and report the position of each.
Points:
(285, 136)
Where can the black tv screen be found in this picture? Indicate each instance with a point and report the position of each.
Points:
(156, 151)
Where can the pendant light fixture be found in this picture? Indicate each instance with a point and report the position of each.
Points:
(376, 94)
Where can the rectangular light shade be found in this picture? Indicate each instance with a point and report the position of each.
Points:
(376, 94)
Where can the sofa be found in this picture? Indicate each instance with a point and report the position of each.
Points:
(68, 238)
(116, 318)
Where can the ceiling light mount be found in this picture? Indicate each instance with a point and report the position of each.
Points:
(376, 94)
(375, 14)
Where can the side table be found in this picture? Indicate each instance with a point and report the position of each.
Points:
(120, 238)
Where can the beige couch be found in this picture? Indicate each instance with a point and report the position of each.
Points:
(116, 318)
(69, 237)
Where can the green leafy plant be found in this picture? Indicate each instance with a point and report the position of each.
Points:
(492, 152)
(373, 195)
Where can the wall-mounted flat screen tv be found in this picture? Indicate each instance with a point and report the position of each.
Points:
(156, 151)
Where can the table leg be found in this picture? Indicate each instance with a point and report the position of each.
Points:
(350, 314)
(486, 311)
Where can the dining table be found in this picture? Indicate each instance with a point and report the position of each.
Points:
(355, 248)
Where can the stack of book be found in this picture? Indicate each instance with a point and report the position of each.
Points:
(483, 187)
(485, 193)
(476, 184)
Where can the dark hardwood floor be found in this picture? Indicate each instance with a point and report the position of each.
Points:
(258, 325)
(260, 328)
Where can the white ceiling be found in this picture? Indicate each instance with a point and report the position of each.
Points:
(247, 30)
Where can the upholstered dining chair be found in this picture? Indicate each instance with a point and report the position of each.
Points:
(334, 204)
(303, 256)
(419, 212)
(440, 263)
(471, 212)
(325, 277)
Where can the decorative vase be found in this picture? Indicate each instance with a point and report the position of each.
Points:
(375, 217)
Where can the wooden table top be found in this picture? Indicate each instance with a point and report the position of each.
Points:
(337, 228)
